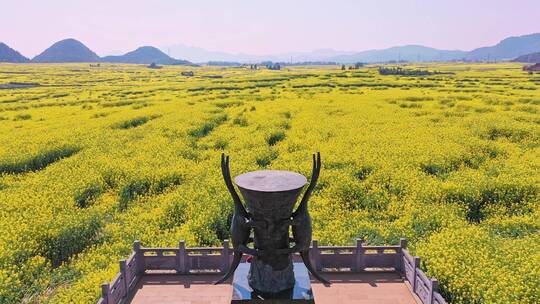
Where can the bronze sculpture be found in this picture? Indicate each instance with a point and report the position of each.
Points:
(270, 196)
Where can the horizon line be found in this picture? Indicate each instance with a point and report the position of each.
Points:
(164, 48)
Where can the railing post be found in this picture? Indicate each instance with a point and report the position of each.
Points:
(433, 288)
(316, 253)
(359, 261)
(399, 264)
(105, 293)
(416, 265)
(182, 257)
(124, 277)
(178, 261)
(226, 256)
(139, 257)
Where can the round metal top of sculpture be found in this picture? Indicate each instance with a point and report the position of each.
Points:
(271, 181)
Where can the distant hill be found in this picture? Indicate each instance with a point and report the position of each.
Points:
(196, 54)
(508, 48)
(529, 58)
(145, 55)
(505, 50)
(407, 53)
(71, 50)
(68, 50)
(8, 54)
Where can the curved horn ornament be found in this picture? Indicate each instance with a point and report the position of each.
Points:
(301, 222)
(240, 225)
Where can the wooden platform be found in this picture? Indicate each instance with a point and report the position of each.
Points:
(137, 281)
(360, 288)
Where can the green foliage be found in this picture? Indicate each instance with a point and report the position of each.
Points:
(363, 172)
(403, 72)
(131, 190)
(174, 215)
(275, 137)
(240, 121)
(208, 126)
(23, 117)
(132, 123)
(137, 187)
(84, 198)
(69, 239)
(266, 158)
(38, 161)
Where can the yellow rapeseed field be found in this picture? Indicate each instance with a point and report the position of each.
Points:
(96, 157)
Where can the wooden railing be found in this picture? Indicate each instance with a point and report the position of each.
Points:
(195, 260)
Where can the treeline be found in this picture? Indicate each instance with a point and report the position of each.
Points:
(351, 67)
(404, 72)
(300, 63)
(224, 63)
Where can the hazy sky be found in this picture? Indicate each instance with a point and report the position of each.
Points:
(264, 27)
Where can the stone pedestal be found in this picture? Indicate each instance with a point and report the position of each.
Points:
(262, 276)
(300, 292)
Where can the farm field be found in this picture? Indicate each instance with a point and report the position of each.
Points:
(94, 158)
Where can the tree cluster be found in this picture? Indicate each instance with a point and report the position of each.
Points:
(404, 72)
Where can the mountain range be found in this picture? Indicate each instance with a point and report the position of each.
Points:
(8, 54)
(529, 58)
(196, 54)
(145, 55)
(506, 49)
(407, 53)
(71, 50)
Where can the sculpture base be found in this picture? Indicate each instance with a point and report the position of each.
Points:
(300, 293)
(263, 278)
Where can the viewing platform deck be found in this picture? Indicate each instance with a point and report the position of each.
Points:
(361, 288)
(359, 274)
